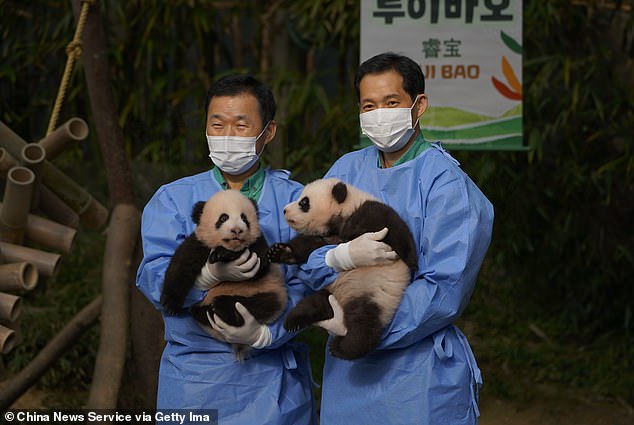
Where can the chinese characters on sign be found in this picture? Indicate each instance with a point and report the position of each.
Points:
(471, 54)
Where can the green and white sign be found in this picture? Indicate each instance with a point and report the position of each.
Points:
(471, 54)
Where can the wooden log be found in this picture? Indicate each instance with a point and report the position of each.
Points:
(17, 203)
(47, 263)
(10, 308)
(18, 277)
(73, 130)
(90, 211)
(14, 387)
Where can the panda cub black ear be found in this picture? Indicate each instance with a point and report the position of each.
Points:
(197, 211)
(339, 192)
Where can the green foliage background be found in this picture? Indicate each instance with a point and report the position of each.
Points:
(555, 299)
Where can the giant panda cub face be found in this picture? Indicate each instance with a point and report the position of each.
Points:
(228, 219)
(321, 204)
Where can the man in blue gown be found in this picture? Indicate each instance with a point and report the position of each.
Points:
(423, 372)
(273, 385)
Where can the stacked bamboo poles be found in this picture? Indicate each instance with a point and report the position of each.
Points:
(34, 185)
(90, 211)
(15, 277)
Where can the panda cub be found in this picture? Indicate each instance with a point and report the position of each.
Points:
(327, 212)
(226, 225)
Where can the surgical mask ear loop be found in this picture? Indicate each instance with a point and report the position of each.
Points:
(420, 96)
(260, 135)
(410, 111)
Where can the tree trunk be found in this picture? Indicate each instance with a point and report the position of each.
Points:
(104, 110)
(123, 231)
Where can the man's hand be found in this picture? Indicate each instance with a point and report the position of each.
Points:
(242, 268)
(365, 250)
(251, 333)
(335, 326)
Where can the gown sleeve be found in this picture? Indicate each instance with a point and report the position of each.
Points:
(315, 273)
(455, 235)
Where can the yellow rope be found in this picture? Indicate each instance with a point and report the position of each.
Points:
(73, 50)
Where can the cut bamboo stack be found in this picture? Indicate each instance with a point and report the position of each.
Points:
(41, 206)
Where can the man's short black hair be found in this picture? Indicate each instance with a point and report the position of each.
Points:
(236, 84)
(413, 78)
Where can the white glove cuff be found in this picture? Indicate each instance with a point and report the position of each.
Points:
(264, 338)
(205, 280)
(339, 258)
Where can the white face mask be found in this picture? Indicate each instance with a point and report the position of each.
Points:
(388, 128)
(234, 154)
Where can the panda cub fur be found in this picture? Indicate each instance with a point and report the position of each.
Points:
(328, 212)
(226, 225)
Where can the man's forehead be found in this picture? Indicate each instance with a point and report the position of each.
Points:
(240, 106)
(229, 115)
(385, 84)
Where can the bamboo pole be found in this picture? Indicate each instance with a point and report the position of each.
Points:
(48, 233)
(90, 211)
(6, 162)
(7, 339)
(17, 196)
(18, 277)
(32, 157)
(14, 387)
(57, 209)
(50, 203)
(47, 263)
(73, 130)
(10, 308)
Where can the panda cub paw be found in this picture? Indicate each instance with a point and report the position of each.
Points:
(171, 304)
(296, 322)
(281, 253)
(223, 255)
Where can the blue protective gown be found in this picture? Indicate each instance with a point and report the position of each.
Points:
(423, 372)
(273, 385)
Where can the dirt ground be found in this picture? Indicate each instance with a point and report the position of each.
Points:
(554, 407)
(551, 407)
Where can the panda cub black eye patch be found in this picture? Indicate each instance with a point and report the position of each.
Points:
(245, 219)
(304, 204)
(221, 220)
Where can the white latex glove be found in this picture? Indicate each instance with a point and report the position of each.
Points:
(335, 325)
(242, 268)
(365, 250)
(251, 333)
